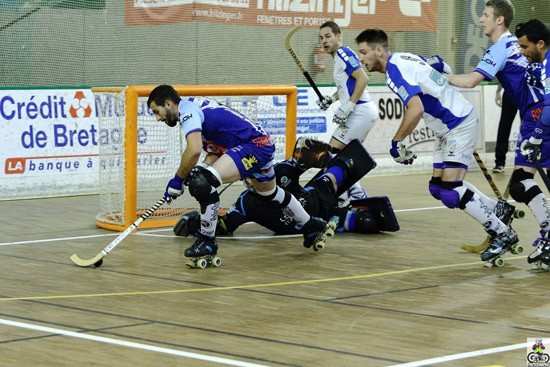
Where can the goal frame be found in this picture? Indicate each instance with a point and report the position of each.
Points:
(132, 94)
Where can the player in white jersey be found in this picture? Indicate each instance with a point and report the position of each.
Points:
(534, 41)
(503, 60)
(425, 92)
(357, 112)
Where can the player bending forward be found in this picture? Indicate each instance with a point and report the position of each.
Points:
(426, 93)
(319, 196)
(236, 148)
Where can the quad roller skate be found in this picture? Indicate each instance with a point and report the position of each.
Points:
(500, 243)
(332, 225)
(203, 253)
(315, 233)
(506, 212)
(541, 256)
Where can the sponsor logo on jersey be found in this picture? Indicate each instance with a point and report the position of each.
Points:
(249, 162)
(402, 91)
(488, 61)
(186, 117)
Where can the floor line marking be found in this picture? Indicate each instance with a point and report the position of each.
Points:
(258, 285)
(223, 238)
(454, 357)
(129, 344)
(58, 239)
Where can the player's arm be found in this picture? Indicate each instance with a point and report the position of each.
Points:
(191, 154)
(545, 118)
(411, 118)
(469, 80)
(210, 158)
(361, 80)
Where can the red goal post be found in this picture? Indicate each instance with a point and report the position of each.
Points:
(120, 217)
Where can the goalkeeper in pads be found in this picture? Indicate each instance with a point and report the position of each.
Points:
(319, 196)
(423, 88)
(236, 149)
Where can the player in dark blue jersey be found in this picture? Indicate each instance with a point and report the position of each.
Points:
(236, 148)
(504, 61)
(534, 41)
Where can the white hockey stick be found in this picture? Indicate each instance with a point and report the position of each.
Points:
(98, 259)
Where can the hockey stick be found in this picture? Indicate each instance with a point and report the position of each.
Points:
(308, 77)
(544, 177)
(98, 259)
(487, 175)
(476, 249)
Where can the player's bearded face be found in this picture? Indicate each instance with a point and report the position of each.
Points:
(171, 118)
(166, 113)
(532, 51)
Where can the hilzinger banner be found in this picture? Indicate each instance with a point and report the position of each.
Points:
(395, 15)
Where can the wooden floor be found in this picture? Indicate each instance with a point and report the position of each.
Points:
(366, 300)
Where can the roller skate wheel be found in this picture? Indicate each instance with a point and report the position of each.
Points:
(319, 245)
(498, 262)
(518, 249)
(201, 263)
(519, 214)
(330, 232)
(217, 261)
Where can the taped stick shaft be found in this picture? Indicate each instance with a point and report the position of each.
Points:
(487, 175)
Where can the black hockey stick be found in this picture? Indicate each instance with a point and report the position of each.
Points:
(544, 177)
(308, 77)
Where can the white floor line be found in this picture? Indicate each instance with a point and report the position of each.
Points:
(454, 357)
(129, 344)
(58, 239)
(419, 209)
(29, 242)
(242, 238)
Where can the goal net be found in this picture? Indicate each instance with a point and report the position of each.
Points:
(138, 155)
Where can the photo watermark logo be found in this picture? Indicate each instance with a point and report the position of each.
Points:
(537, 353)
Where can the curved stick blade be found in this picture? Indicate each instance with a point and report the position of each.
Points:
(77, 260)
(289, 35)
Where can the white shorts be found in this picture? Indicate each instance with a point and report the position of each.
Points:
(359, 123)
(458, 144)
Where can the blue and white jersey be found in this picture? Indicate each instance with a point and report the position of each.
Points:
(545, 79)
(504, 61)
(222, 128)
(345, 63)
(408, 75)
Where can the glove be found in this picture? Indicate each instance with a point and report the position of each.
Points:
(341, 115)
(401, 154)
(325, 103)
(531, 148)
(174, 188)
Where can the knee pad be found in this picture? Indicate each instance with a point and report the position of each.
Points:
(435, 187)
(455, 195)
(201, 181)
(271, 197)
(189, 224)
(523, 187)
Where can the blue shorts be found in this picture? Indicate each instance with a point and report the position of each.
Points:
(254, 160)
(528, 124)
